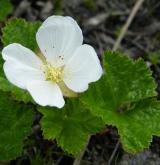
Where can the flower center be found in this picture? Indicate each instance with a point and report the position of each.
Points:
(52, 73)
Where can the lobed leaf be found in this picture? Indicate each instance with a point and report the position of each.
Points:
(24, 33)
(121, 99)
(71, 126)
(138, 126)
(15, 125)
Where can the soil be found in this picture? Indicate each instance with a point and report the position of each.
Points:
(101, 21)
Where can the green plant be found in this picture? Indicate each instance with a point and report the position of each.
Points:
(124, 97)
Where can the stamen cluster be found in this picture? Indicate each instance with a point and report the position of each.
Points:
(53, 74)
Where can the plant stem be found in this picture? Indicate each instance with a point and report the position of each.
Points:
(78, 159)
(114, 152)
(127, 24)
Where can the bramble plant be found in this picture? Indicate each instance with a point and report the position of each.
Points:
(63, 73)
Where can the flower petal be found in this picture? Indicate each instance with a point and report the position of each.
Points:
(84, 67)
(46, 93)
(19, 74)
(18, 53)
(58, 37)
(21, 65)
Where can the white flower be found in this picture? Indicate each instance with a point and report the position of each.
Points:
(64, 66)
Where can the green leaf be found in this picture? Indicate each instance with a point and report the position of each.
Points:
(15, 125)
(126, 80)
(22, 32)
(25, 35)
(70, 126)
(5, 9)
(137, 127)
(118, 96)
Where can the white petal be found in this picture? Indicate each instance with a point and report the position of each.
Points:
(19, 74)
(46, 93)
(20, 54)
(58, 37)
(84, 67)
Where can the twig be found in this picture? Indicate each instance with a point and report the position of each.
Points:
(127, 24)
(78, 159)
(114, 152)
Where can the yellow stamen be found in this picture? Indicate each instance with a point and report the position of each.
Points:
(52, 73)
